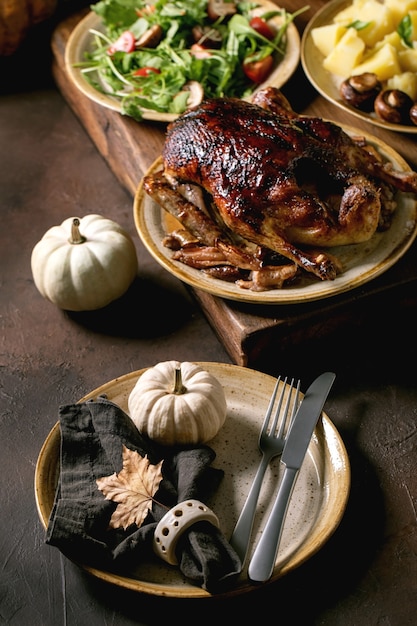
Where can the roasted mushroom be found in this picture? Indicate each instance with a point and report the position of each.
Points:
(151, 37)
(220, 9)
(360, 91)
(393, 105)
(413, 114)
(194, 91)
(207, 36)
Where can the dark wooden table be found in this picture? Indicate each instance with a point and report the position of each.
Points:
(50, 169)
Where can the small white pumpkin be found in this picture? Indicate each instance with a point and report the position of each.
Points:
(178, 404)
(84, 264)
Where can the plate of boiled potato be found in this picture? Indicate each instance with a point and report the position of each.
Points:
(362, 56)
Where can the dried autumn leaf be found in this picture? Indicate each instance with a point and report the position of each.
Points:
(132, 488)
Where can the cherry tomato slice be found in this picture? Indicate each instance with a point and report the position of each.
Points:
(125, 43)
(199, 52)
(145, 71)
(261, 27)
(258, 71)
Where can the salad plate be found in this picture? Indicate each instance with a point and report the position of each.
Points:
(328, 84)
(361, 262)
(82, 42)
(316, 508)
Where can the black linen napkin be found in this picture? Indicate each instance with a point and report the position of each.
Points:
(92, 437)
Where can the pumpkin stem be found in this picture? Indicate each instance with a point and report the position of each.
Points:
(76, 236)
(178, 386)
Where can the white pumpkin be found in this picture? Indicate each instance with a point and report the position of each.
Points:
(84, 264)
(178, 404)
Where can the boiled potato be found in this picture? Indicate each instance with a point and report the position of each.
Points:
(378, 18)
(408, 60)
(345, 55)
(384, 63)
(399, 8)
(325, 38)
(413, 17)
(350, 13)
(392, 38)
(407, 82)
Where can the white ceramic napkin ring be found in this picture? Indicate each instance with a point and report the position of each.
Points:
(175, 522)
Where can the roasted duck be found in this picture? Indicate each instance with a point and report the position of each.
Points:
(264, 191)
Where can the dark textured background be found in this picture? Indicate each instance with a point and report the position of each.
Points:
(50, 170)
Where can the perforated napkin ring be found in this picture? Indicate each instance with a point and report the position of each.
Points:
(175, 522)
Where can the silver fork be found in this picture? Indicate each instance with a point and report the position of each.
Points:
(271, 443)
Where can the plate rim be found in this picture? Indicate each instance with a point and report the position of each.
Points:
(322, 291)
(342, 470)
(79, 36)
(309, 62)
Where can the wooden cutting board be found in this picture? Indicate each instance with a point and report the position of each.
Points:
(253, 335)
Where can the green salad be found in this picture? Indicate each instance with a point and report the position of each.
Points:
(168, 55)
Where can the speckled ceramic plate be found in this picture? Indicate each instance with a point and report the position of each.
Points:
(361, 262)
(80, 41)
(327, 84)
(317, 504)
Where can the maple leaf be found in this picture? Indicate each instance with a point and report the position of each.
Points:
(132, 488)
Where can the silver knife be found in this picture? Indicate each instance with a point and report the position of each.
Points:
(262, 563)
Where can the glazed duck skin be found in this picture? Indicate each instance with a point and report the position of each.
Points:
(281, 181)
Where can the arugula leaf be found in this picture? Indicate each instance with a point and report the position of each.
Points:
(117, 14)
(240, 25)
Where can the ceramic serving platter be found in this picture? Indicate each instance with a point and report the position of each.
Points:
(316, 508)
